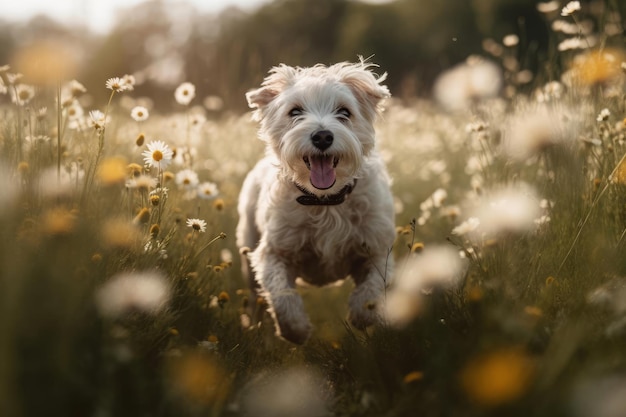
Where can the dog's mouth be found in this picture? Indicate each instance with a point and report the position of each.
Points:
(322, 167)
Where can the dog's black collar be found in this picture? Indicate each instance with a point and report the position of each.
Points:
(310, 199)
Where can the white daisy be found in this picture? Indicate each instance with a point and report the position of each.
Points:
(185, 93)
(187, 179)
(207, 190)
(117, 84)
(570, 8)
(198, 225)
(139, 113)
(158, 154)
(22, 94)
(127, 292)
(97, 120)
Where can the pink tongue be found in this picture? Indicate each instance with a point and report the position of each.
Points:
(322, 171)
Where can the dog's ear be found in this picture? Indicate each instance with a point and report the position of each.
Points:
(365, 85)
(279, 78)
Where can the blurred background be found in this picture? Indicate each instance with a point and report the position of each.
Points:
(226, 47)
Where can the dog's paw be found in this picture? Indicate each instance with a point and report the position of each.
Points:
(363, 316)
(292, 322)
(294, 331)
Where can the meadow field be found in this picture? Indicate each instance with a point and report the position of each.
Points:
(121, 292)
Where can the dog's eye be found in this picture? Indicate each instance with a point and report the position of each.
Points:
(295, 112)
(344, 113)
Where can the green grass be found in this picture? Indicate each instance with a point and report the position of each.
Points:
(534, 326)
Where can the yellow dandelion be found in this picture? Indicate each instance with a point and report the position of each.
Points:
(223, 298)
(134, 170)
(199, 379)
(533, 311)
(112, 171)
(58, 221)
(119, 233)
(155, 229)
(474, 294)
(23, 168)
(168, 176)
(598, 67)
(417, 247)
(218, 204)
(142, 217)
(498, 377)
(413, 377)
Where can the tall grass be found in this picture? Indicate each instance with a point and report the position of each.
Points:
(111, 304)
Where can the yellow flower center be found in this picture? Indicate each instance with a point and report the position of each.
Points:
(157, 155)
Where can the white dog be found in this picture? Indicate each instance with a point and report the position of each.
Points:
(318, 206)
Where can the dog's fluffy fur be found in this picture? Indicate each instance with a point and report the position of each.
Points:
(317, 243)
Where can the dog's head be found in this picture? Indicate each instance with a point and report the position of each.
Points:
(319, 121)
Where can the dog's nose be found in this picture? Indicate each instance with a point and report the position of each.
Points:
(322, 139)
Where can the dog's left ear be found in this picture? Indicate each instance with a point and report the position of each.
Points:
(278, 79)
(366, 86)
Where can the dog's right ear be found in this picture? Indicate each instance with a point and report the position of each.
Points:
(279, 78)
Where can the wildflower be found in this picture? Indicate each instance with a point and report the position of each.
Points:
(294, 392)
(187, 179)
(147, 292)
(155, 199)
(199, 378)
(218, 204)
(466, 227)
(155, 229)
(226, 255)
(139, 113)
(597, 67)
(142, 217)
(142, 182)
(158, 154)
(532, 132)
(572, 43)
(112, 171)
(197, 224)
(117, 84)
(185, 93)
(207, 190)
(22, 94)
(119, 234)
(603, 116)
(548, 7)
(140, 139)
(570, 8)
(58, 221)
(134, 170)
(213, 103)
(506, 210)
(129, 82)
(510, 40)
(75, 89)
(470, 81)
(497, 377)
(223, 298)
(413, 377)
(97, 120)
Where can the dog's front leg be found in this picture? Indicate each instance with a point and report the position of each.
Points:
(277, 283)
(368, 297)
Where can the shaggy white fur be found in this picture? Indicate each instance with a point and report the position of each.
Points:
(318, 126)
